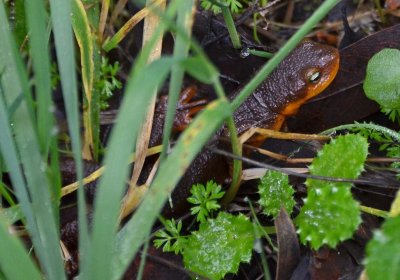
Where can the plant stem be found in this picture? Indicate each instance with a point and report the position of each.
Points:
(380, 11)
(374, 211)
(370, 126)
(261, 53)
(395, 208)
(230, 24)
(237, 164)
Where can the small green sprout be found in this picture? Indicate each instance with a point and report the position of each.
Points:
(393, 114)
(107, 82)
(215, 6)
(205, 200)
(170, 238)
(385, 141)
(55, 76)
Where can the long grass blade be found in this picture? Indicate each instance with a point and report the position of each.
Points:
(131, 237)
(9, 153)
(15, 84)
(62, 29)
(12, 252)
(107, 205)
(80, 24)
(39, 51)
(181, 49)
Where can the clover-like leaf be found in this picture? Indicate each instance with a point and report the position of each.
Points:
(330, 214)
(219, 246)
(383, 258)
(382, 82)
(275, 192)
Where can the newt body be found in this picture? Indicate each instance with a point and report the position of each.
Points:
(305, 73)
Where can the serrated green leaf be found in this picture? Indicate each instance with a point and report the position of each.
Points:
(382, 83)
(383, 258)
(343, 157)
(219, 246)
(330, 214)
(275, 192)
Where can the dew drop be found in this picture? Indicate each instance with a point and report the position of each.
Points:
(245, 52)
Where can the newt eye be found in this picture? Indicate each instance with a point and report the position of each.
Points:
(314, 76)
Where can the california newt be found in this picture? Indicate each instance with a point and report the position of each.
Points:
(305, 73)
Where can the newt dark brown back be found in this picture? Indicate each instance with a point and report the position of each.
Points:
(305, 73)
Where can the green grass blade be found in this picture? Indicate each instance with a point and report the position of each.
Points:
(92, 8)
(80, 24)
(181, 49)
(14, 260)
(15, 85)
(190, 143)
(16, 12)
(107, 205)
(9, 153)
(60, 14)
(124, 135)
(38, 42)
(92, 12)
(62, 29)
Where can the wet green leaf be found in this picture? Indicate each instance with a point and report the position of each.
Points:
(275, 192)
(383, 258)
(382, 82)
(219, 246)
(330, 214)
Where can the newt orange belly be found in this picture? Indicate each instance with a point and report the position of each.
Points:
(305, 73)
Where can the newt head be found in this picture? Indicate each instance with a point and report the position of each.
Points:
(305, 73)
